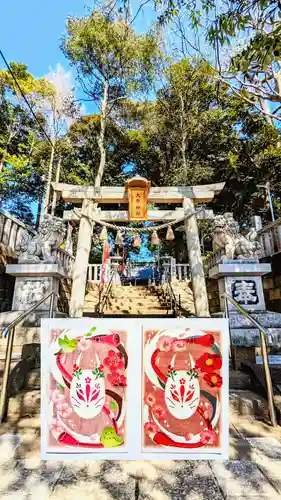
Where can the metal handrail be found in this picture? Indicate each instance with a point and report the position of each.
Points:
(172, 298)
(9, 348)
(263, 334)
(103, 299)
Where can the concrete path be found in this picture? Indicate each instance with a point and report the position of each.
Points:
(253, 472)
(257, 477)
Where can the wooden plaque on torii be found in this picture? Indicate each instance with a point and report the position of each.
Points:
(138, 189)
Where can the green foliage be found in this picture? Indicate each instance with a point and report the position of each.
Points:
(35, 88)
(109, 50)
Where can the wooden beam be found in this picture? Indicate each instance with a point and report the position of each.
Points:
(118, 194)
(153, 215)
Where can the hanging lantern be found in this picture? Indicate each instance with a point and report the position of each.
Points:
(119, 239)
(170, 234)
(155, 238)
(136, 241)
(103, 234)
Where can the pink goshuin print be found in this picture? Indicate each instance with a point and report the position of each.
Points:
(88, 383)
(134, 390)
(182, 389)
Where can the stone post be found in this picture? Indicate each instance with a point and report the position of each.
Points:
(79, 274)
(195, 260)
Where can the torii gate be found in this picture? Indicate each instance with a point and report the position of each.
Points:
(90, 197)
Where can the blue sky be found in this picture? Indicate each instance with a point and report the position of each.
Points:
(31, 30)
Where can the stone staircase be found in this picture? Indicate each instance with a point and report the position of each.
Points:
(23, 417)
(136, 301)
(140, 300)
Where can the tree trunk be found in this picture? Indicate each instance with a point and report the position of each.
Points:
(54, 201)
(183, 133)
(102, 136)
(265, 107)
(39, 208)
(49, 180)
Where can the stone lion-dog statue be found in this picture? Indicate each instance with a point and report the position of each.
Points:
(232, 244)
(41, 247)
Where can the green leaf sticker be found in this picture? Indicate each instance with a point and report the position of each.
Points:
(93, 329)
(88, 334)
(61, 387)
(68, 345)
(113, 405)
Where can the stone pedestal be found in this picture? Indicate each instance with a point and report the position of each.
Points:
(33, 281)
(241, 280)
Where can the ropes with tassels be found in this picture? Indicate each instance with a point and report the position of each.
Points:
(148, 229)
(155, 238)
(103, 234)
(119, 239)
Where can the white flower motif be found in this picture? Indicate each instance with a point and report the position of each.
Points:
(84, 344)
(94, 438)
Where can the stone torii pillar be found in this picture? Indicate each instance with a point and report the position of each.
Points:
(80, 268)
(195, 260)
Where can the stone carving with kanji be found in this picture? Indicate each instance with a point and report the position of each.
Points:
(233, 245)
(42, 246)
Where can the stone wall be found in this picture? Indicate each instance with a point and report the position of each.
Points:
(272, 284)
(213, 295)
(7, 284)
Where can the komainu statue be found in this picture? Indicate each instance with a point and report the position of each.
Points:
(42, 246)
(227, 238)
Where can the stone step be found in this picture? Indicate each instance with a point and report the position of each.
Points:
(248, 403)
(239, 380)
(131, 292)
(22, 336)
(33, 379)
(16, 357)
(136, 309)
(134, 303)
(137, 313)
(161, 313)
(24, 404)
(135, 297)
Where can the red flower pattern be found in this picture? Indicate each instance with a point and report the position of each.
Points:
(209, 362)
(178, 346)
(114, 361)
(150, 428)
(159, 412)
(208, 437)
(117, 379)
(164, 343)
(213, 380)
(150, 399)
